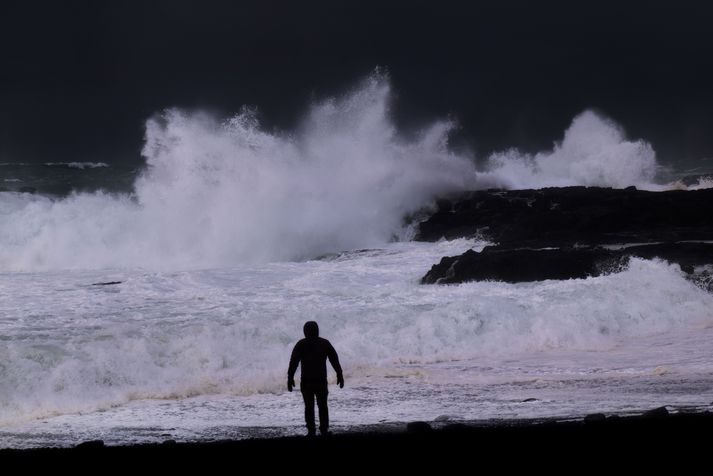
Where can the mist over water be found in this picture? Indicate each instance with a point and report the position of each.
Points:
(221, 192)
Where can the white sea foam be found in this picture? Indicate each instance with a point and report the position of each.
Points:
(75, 347)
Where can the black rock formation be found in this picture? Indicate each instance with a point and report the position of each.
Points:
(571, 232)
(660, 412)
(573, 215)
(519, 265)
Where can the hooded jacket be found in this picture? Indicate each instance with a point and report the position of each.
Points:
(312, 352)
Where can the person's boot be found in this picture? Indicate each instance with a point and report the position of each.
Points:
(311, 433)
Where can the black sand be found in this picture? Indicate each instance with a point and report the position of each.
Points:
(659, 441)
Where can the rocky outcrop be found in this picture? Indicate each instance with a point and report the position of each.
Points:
(573, 216)
(519, 265)
(571, 232)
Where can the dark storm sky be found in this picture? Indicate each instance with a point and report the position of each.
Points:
(79, 78)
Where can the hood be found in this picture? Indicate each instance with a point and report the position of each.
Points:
(311, 329)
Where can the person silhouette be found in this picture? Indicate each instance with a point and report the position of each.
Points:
(312, 352)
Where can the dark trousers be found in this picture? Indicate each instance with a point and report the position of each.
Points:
(310, 393)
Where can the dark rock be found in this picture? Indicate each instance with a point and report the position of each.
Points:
(27, 189)
(169, 442)
(90, 445)
(530, 400)
(594, 418)
(521, 265)
(572, 215)
(418, 427)
(659, 412)
(108, 283)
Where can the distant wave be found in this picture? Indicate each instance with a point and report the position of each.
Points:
(77, 165)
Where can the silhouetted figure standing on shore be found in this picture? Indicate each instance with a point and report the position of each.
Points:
(312, 352)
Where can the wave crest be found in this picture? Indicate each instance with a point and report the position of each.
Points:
(594, 152)
(218, 193)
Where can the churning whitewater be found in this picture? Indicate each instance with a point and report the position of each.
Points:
(235, 236)
(192, 352)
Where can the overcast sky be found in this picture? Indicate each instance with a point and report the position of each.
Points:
(79, 78)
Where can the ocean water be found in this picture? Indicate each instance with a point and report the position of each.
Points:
(203, 354)
(232, 237)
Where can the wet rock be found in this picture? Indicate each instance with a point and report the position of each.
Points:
(594, 418)
(530, 400)
(659, 412)
(522, 265)
(572, 215)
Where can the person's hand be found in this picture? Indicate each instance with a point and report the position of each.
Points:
(290, 384)
(340, 381)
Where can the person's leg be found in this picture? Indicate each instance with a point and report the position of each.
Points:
(321, 394)
(308, 396)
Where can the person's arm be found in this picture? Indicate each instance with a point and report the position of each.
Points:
(292, 368)
(334, 360)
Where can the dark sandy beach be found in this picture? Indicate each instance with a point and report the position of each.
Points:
(657, 440)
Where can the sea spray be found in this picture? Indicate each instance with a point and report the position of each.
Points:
(223, 192)
(593, 152)
(217, 193)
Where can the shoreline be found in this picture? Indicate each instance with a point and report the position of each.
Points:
(650, 439)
